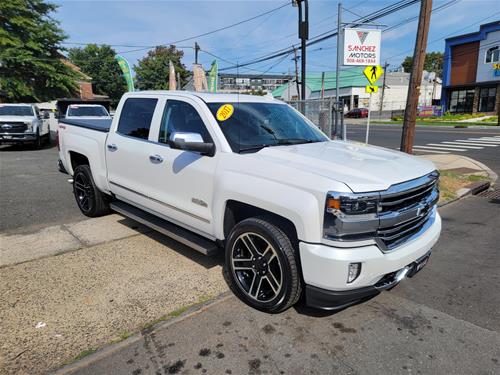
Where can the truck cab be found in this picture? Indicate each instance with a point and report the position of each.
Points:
(294, 212)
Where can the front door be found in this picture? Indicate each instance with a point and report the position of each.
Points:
(181, 183)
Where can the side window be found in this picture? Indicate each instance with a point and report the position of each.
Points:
(180, 116)
(136, 116)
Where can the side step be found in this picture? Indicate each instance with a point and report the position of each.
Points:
(193, 240)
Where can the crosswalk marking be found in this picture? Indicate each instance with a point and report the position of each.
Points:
(496, 142)
(415, 148)
(494, 139)
(440, 148)
(479, 143)
(441, 144)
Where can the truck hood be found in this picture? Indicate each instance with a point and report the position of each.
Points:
(16, 118)
(361, 167)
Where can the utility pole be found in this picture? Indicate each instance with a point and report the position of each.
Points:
(303, 35)
(383, 91)
(196, 50)
(296, 72)
(322, 85)
(338, 105)
(416, 77)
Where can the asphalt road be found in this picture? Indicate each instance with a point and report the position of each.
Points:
(34, 194)
(390, 136)
(445, 320)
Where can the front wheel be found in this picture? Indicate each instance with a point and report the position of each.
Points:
(91, 201)
(261, 267)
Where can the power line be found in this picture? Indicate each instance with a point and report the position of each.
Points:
(327, 35)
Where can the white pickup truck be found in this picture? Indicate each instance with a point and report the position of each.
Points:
(295, 213)
(23, 123)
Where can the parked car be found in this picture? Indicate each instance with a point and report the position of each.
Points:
(293, 211)
(22, 123)
(87, 111)
(357, 113)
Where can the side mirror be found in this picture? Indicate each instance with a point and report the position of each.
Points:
(46, 115)
(191, 142)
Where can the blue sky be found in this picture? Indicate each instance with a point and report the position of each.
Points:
(148, 23)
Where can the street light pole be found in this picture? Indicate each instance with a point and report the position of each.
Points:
(303, 35)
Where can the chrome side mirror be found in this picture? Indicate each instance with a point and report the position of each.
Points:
(191, 142)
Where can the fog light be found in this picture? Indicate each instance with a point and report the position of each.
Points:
(354, 271)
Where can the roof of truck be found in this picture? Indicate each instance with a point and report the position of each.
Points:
(213, 97)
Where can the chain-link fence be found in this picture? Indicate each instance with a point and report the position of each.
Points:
(321, 112)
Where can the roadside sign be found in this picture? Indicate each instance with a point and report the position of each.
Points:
(362, 46)
(373, 73)
(371, 89)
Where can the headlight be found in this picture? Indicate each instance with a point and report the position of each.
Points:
(29, 126)
(349, 205)
(350, 216)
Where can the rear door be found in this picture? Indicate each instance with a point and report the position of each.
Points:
(127, 149)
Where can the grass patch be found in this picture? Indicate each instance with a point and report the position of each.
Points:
(438, 123)
(177, 312)
(81, 355)
(450, 182)
(125, 335)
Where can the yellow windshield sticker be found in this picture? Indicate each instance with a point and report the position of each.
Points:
(224, 112)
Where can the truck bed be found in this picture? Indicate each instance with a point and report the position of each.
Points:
(101, 125)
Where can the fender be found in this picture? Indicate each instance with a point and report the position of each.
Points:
(299, 206)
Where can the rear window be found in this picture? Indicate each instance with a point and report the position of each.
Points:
(78, 111)
(136, 116)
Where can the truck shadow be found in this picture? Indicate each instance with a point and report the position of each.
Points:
(170, 244)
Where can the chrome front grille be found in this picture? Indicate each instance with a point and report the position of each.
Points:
(13, 127)
(406, 209)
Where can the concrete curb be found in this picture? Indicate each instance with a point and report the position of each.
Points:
(109, 349)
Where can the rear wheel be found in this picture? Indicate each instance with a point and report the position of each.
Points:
(37, 144)
(91, 201)
(261, 267)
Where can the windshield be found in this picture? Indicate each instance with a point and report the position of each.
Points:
(94, 111)
(16, 110)
(252, 126)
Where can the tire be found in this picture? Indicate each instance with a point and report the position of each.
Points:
(90, 200)
(261, 266)
(37, 144)
(48, 141)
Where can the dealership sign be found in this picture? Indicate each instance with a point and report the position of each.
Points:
(362, 46)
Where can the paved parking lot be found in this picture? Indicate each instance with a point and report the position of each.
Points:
(34, 193)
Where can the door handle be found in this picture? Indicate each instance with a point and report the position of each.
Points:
(112, 147)
(155, 159)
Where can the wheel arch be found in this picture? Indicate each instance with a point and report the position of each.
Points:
(236, 211)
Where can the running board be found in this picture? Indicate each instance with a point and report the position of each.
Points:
(193, 240)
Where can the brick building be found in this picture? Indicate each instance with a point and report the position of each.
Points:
(471, 71)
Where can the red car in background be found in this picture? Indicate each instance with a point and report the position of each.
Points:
(357, 113)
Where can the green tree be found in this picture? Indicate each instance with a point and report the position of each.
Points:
(151, 72)
(99, 63)
(433, 63)
(31, 66)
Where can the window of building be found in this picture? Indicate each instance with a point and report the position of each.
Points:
(461, 101)
(136, 116)
(180, 116)
(487, 97)
(492, 55)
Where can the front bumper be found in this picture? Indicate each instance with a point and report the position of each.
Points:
(325, 268)
(17, 137)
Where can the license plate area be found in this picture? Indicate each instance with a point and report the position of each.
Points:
(418, 264)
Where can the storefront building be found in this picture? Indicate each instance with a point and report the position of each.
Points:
(471, 71)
